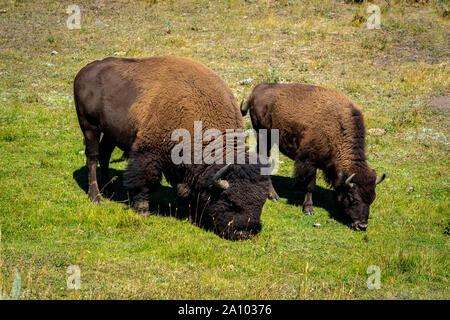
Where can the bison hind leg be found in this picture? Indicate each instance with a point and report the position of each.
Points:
(92, 138)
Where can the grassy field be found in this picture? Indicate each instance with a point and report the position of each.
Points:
(394, 74)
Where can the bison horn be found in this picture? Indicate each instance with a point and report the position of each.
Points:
(219, 183)
(243, 108)
(380, 179)
(349, 179)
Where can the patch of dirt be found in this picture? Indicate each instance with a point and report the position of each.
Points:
(376, 131)
(441, 102)
(406, 52)
(381, 61)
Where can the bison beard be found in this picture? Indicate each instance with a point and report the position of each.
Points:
(137, 104)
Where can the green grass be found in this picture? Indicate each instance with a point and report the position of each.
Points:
(48, 224)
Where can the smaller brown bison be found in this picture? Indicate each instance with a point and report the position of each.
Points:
(319, 129)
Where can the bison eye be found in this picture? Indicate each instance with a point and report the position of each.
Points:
(351, 200)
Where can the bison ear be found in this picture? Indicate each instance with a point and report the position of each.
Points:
(183, 190)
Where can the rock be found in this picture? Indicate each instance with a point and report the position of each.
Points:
(376, 131)
(317, 225)
(246, 81)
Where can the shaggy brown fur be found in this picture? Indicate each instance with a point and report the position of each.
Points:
(137, 104)
(319, 129)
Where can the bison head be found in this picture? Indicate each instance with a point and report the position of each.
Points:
(230, 199)
(354, 196)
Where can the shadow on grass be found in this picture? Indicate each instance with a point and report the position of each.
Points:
(322, 198)
(162, 201)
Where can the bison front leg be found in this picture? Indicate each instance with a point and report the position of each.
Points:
(305, 176)
(308, 203)
(273, 195)
(143, 176)
(263, 147)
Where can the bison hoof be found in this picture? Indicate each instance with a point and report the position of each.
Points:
(141, 207)
(94, 194)
(97, 199)
(240, 235)
(273, 196)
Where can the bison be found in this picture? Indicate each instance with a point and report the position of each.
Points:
(137, 104)
(319, 128)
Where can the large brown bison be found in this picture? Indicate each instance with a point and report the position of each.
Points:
(137, 104)
(319, 129)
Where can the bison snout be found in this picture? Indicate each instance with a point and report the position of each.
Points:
(359, 226)
(237, 235)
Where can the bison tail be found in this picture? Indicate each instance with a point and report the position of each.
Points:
(244, 108)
